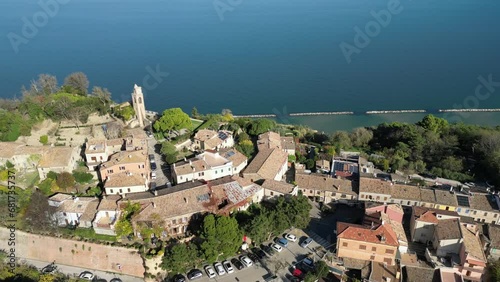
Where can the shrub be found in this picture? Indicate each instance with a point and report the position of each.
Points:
(82, 177)
(65, 180)
(44, 139)
(52, 175)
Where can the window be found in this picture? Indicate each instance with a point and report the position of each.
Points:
(408, 203)
(180, 177)
(215, 172)
(447, 208)
(318, 192)
(311, 191)
(389, 251)
(468, 273)
(221, 171)
(343, 196)
(385, 198)
(121, 191)
(362, 196)
(372, 257)
(344, 244)
(485, 214)
(467, 211)
(64, 213)
(110, 171)
(333, 194)
(388, 261)
(378, 198)
(122, 168)
(495, 215)
(362, 247)
(272, 193)
(111, 191)
(374, 249)
(475, 212)
(174, 221)
(128, 190)
(459, 209)
(229, 169)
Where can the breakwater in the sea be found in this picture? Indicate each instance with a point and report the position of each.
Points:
(467, 110)
(321, 113)
(378, 112)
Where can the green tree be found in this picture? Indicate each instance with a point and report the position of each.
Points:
(52, 175)
(243, 136)
(172, 119)
(259, 126)
(123, 226)
(65, 180)
(221, 237)
(169, 151)
(434, 124)
(44, 139)
(125, 113)
(78, 82)
(82, 177)
(246, 148)
(194, 113)
(310, 164)
(341, 140)
(180, 258)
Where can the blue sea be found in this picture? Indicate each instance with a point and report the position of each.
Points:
(273, 56)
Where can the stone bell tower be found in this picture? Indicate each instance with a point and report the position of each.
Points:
(138, 103)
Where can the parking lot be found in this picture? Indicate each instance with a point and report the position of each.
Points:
(280, 263)
(163, 174)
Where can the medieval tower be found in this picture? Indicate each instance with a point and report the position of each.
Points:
(138, 103)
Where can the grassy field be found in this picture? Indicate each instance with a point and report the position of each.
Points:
(87, 233)
(195, 125)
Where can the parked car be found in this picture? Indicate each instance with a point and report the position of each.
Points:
(153, 175)
(282, 241)
(267, 249)
(227, 266)
(276, 247)
(210, 271)
(151, 158)
(179, 278)
(149, 134)
(51, 268)
(115, 280)
(291, 237)
(258, 252)
(153, 166)
(307, 262)
(246, 261)
(237, 264)
(100, 280)
(194, 274)
(306, 242)
(152, 186)
(253, 257)
(219, 268)
(86, 275)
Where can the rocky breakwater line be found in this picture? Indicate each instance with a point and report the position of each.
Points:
(395, 112)
(321, 113)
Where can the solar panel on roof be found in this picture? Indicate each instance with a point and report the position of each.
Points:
(222, 135)
(230, 153)
(463, 201)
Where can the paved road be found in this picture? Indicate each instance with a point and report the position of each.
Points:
(71, 270)
(163, 176)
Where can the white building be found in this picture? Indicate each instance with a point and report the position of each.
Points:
(205, 166)
(71, 210)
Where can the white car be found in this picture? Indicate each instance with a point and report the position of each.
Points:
(276, 247)
(210, 271)
(291, 237)
(153, 175)
(246, 261)
(219, 268)
(227, 265)
(86, 275)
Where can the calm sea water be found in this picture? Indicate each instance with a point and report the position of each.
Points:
(264, 56)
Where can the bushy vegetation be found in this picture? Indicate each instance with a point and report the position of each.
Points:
(172, 119)
(45, 99)
(44, 139)
(123, 226)
(125, 112)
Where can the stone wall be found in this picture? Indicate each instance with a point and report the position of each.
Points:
(74, 253)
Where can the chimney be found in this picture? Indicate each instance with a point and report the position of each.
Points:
(185, 200)
(153, 204)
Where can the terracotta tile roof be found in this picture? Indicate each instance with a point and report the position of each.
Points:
(427, 195)
(8, 149)
(430, 215)
(175, 203)
(95, 146)
(269, 140)
(136, 133)
(321, 182)
(483, 202)
(384, 272)
(448, 229)
(420, 274)
(228, 188)
(78, 205)
(205, 134)
(494, 235)
(90, 211)
(56, 157)
(287, 143)
(124, 157)
(398, 229)
(109, 203)
(374, 185)
(267, 163)
(405, 192)
(366, 234)
(123, 179)
(445, 198)
(60, 197)
(278, 186)
(201, 162)
(233, 155)
(115, 142)
(472, 244)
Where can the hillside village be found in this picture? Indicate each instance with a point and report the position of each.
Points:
(411, 228)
